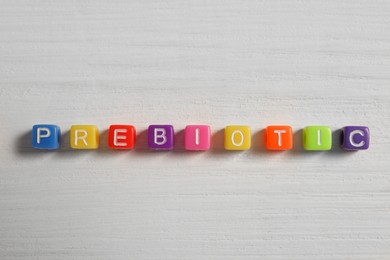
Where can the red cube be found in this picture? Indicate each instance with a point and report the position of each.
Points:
(121, 137)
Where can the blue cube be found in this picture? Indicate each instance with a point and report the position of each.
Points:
(46, 137)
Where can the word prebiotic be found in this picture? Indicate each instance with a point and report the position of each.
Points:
(198, 137)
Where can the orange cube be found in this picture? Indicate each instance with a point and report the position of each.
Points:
(279, 137)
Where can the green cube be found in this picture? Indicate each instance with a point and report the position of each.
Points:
(317, 138)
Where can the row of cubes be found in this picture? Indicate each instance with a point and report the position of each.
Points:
(198, 137)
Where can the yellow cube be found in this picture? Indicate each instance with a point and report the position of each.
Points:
(84, 137)
(237, 137)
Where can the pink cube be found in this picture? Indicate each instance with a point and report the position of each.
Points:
(197, 137)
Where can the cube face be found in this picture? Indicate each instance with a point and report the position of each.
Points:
(279, 138)
(84, 137)
(355, 138)
(121, 137)
(317, 138)
(46, 137)
(161, 137)
(237, 138)
(197, 137)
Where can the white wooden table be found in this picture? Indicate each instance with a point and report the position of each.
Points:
(181, 62)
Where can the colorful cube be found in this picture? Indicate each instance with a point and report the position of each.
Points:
(279, 137)
(161, 137)
(355, 138)
(121, 137)
(47, 137)
(84, 137)
(317, 138)
(237, 137)
(197, 137)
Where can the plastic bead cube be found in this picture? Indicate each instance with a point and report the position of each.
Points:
(47, 137)
(317, 138)
(355, 138)
(237, 137)
(161, 137)
(84, 137)
(121, 137)
(279, 138)
(197, 137)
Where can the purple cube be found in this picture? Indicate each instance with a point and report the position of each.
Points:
(355, 138)
(161, 137)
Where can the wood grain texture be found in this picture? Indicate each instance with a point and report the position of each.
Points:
(213, 62)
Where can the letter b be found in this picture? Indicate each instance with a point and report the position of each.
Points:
(161, 137)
